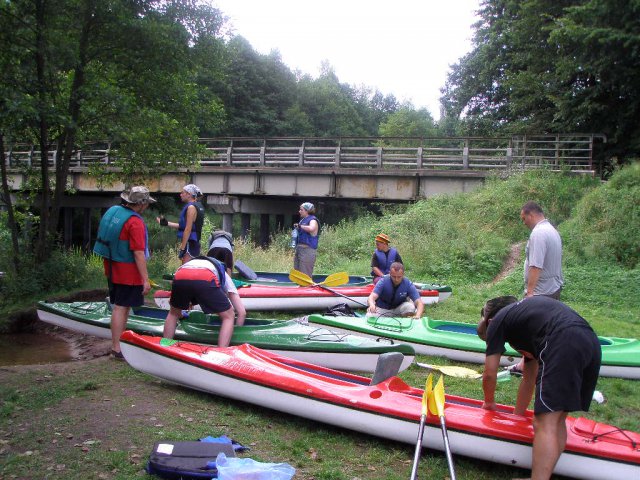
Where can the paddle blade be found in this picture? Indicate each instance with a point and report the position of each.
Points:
(429, 391)
(245, 271)
(336, 279)
(300, 278)
(452, 371)
(438, 396)
(428, 386)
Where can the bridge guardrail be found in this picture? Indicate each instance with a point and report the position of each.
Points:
(570, 151)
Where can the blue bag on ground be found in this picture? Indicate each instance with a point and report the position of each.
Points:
(186, 460)
(237, 446)
(249, 469)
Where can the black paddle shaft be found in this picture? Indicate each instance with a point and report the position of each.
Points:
(342, 295)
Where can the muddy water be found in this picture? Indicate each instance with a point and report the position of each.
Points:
(32, 349)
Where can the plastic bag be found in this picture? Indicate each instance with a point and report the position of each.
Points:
(249, 469)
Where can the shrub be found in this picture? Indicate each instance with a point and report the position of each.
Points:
(63, 271)
(606, 222)
(463, 236)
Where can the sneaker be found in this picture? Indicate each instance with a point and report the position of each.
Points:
(514, 369)
(117, 355)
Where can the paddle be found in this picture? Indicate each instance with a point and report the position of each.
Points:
(333, 280)
(436, 407)
(305, 280)
(245, 271)
(452, 371)
(423, 418)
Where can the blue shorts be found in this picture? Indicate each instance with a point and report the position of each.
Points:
(193, 248)
(210, 297)
(126, 295)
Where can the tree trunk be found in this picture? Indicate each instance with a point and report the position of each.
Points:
(6, 198)
(42, 243)
(67, 145)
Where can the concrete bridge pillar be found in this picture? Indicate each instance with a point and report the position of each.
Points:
(245, 225)
(67, 215)
(227, 222)
(264, 229)
(86, 229)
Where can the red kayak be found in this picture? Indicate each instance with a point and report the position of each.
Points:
(271, 297)
(386, 407)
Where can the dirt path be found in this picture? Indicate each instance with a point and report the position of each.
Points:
(511, 263)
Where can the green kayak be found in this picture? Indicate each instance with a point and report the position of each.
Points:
(458, 341)
(325, 347)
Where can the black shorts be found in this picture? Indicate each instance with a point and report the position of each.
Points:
(210, 297)
(126, 295)
(223, 254)
(568, 371)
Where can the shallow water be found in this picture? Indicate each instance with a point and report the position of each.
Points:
(33, 349)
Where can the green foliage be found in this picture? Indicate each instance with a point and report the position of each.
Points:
(551, 65)
(62, 271)
(599, 53)
(451, 238)
(408, 122)
(606, 224)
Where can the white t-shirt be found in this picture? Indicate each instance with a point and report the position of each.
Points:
(229, 286)
(544, 251)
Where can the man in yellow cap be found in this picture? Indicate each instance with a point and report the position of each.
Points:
(383, 256)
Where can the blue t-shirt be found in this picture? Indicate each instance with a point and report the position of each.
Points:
(390, 296)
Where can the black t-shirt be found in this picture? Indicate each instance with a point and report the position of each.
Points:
(526, 324)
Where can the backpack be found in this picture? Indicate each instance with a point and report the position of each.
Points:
(220, 233)
(222, 273)
(186, 460)
(340, 310)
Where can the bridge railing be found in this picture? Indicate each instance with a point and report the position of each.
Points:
(570, 151)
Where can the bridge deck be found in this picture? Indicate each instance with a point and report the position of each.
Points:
(383, 168)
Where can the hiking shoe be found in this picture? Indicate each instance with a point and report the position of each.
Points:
(117, 355)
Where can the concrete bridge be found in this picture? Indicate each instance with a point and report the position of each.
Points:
(271, 176)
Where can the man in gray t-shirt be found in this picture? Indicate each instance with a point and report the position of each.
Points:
(543, 254)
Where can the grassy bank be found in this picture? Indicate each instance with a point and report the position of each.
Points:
(100, 419)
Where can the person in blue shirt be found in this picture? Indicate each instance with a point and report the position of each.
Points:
(190, 224)
(383, 256)
(308, 231)
(395, 296)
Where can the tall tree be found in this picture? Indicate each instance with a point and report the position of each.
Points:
(598, 65)
(507, 80)
(551, 66)
(86, 69)
(330, 105)
(256, 90)
(408, 122)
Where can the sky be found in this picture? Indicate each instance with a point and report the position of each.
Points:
(400, 47)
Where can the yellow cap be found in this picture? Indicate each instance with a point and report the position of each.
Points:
(384, 238)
